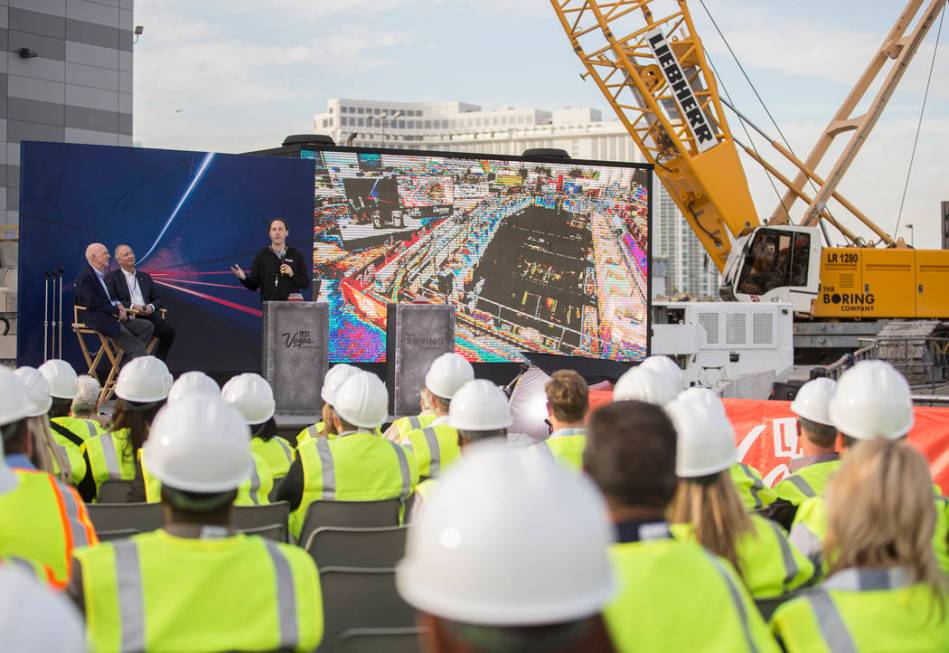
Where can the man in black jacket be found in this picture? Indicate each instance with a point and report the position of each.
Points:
(136, 291)
(277, 270)
(104, 312)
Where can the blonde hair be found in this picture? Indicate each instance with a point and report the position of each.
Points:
(714, 509)
(880, 513)
(45, 449)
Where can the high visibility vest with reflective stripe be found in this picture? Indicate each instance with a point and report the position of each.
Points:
(255, 491)
(754, 494)
(807, 482)
(355, 467)
(567, 446)
(768, 563)
(276, 451)
(310, 432)
(158, 592)
(810, 529)
(110, 457)
(434, 447)
(864, 610)
(76, 464)
(676, 597)
(80, 427)
(43, 520)
(405, 424)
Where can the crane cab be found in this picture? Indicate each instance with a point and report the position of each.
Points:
(774, 264)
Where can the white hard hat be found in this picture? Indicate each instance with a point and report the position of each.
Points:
(199, 445)
(34, 617)
(510, 539)
(704, 396)
(643, 384)
(14, 402)
(447, 374)
(145, 379)
(193, 383)
(252, 396)
(812, 400)
(479, 405)
(37, 390)
(333, 379)
(872, 400)
(667, 367)
(62, 378)
(362, 400)
(705, 442)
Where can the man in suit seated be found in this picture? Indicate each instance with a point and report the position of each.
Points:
(136, 291)
(104, 312)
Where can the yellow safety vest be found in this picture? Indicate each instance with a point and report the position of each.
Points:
(807, 482)
(80, 427)
(674, 596)
(311, 432)
(43, 520)
(255, 491)
(75, 464)
(864, 610)
(755, 495)
(810, 529)
(276, 451)
(567, 445)
(356, 466)
(414, 422)
(110, 457)
(769, 564)
(435, 447)
(69, 433)
(158, 592)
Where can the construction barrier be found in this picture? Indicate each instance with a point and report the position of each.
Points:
(766, 435)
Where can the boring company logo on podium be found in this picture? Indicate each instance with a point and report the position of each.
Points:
(298, 340)
(424, 341)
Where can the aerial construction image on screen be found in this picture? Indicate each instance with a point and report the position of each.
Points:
(535, 256)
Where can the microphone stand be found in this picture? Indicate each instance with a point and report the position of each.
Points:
(45, 315)
(61, 273)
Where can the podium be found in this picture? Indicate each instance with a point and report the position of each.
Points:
(294, 354)
(416, 334)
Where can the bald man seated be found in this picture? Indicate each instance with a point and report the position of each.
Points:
(136, 290)
(104, 312)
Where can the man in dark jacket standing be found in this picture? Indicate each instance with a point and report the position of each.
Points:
(278, 270)
(104, 312)
(136, 290)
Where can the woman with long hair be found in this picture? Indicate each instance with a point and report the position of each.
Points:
(141, 391)
(707, 508)
(44, 453)
(886, 591)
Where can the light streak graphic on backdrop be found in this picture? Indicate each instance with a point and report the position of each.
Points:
(535, 256)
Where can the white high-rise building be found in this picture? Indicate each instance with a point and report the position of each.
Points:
(581, 131)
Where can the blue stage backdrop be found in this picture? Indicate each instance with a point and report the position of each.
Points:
(187, 215)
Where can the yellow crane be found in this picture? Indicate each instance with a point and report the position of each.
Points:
(649, 63)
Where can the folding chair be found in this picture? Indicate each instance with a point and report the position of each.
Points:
(269, 520)
(360, 598)
(162, 312)
(355, 514)
(372, 640)
(114, 491)
(114, 521)
(107, 348)
(332, 546)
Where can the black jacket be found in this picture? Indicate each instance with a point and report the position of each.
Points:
(265, 271)
(120, 288)
(100, 314)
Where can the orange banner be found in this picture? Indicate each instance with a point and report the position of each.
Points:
(766, 435)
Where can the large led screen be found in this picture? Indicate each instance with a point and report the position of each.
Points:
(534, 256)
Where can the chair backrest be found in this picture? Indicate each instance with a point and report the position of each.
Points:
(372, 640)
(275, 532)
(360, 598)
(117, 520)
(262, 520)
(77, 317)
(332, 546)
(352, 514)
(114, 491)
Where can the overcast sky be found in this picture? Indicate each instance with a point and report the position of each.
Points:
(239, 75)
